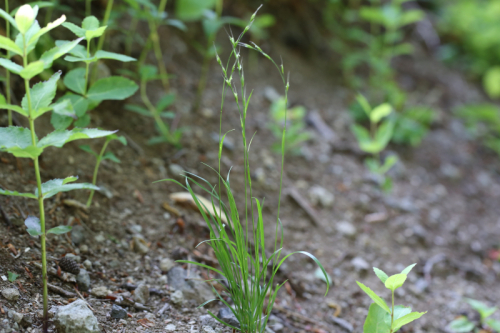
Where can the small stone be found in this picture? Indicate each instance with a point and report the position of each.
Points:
(27, 321)
(87, 264)
(16, 316)
(77, 234)
(360, 264)
(118, 312)
(170, 328)
(83, 280)
(176, 171)
(166, 264)
(207, 320)
(207, 113)
(207, 329)
(140, 244)
(450, 171)
(177, 297)
(76, 317)
(346, 228)
(11, 294)
(99, 238)
(100, 292)
(84, 248)
(141, 294)
(227, 316)
(342, 323)
(135, 229)
(176, 277)
(321, 197)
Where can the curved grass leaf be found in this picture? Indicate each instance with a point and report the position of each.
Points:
(54, 186)
(33, 225)
(60, 137)
(113, 56)
(380, 302)
(112, 88)
(17, 194)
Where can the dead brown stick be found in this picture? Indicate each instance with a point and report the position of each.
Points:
(83, 299)
(295, 195)
(60, 291)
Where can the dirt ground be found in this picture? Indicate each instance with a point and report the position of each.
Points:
(442, 214)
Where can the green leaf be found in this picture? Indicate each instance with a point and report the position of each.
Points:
(191, 10)
(64, 108)
(381, 111)
(54, 186)
(79, 32)
(408, 269)
(62, 229)
(395, 281)
(376, 320)
(461, 325)
(17, 194)
(11, 66)
(398, 323)
(494, 324)
(380, 274)
(165, 102)
(484, 310)
(380, 302)
(17, 141)
(9, 45)
(491, 82)
(112, 88)
(90, 23)
(58, 51)
(90, 34)
(80, 103)
(388, 164)
(33, 225)
(399, 312)
(13, 108)
(112, 157)
(42, 93)
(49, 27)
(60, 137)
(32, 70)
(86, 148)
(9, 18)
(113, 56)
(138, 109)
(384, 134)
(411, 16)
(33, 30)
(75, 80)
(12, 276)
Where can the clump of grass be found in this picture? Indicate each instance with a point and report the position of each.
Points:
(240, 245)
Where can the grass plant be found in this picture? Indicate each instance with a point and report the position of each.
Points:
(240, 245)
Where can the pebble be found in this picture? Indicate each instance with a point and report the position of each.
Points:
(176, 171)
(346, 228)
(16, 316)
(227, 316)
(342, 323)
(83, 280)
(100, 292)
(166, 264)
(73, 257)
(76, 317)
(170, 328)
(118, 312)
(140, 245)
(84, 248)
(177, 297)
(87, 264)
(319, 196)
(359, 264)
(176, 277)
(135, 229)
(207, 329)
(207, 320)
(11, 294)
(99, 238)
(77, 234)
(141, 294)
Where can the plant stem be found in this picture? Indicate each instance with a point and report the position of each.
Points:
(88, 7)
(85, 87)
(7, 73)
(40, 195)
(159, 122)
(109, 7)
(130, 39)
(96, 169)
(392, 311)
(158, 54)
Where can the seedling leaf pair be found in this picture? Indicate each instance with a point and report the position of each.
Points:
(34, 227)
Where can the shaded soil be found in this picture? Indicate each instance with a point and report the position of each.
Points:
(442, 213)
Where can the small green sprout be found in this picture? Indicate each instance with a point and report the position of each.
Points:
(463, 325)
(382, 318)
(12, 277)
(103, 155)
(376, 139)
(38, 100)
(296, 133)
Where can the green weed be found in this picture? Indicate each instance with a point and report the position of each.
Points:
(12, 277)
(483, 122)
(239, 245)
(462, 324)
(382, 318)
(38, 100)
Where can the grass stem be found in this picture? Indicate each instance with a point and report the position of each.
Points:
(96, 169)
(7, 72)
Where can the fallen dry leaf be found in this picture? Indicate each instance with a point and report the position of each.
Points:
(185, 198)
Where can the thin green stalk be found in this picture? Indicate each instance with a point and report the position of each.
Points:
(87, 65)
(7, 72)
(392, 311)
(88, 9)
(158, 54)
(159, 122)
(130, 39)
(40, 194)
(100, 43)
(96, 169)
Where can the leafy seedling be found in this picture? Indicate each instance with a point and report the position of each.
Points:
(463, 325)
(38, 100)
(12, 277)
(239, 245)
(103, 155)
(147, 74)
(382, 318)
(376, 139)
(296, 133)
(85, 96)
